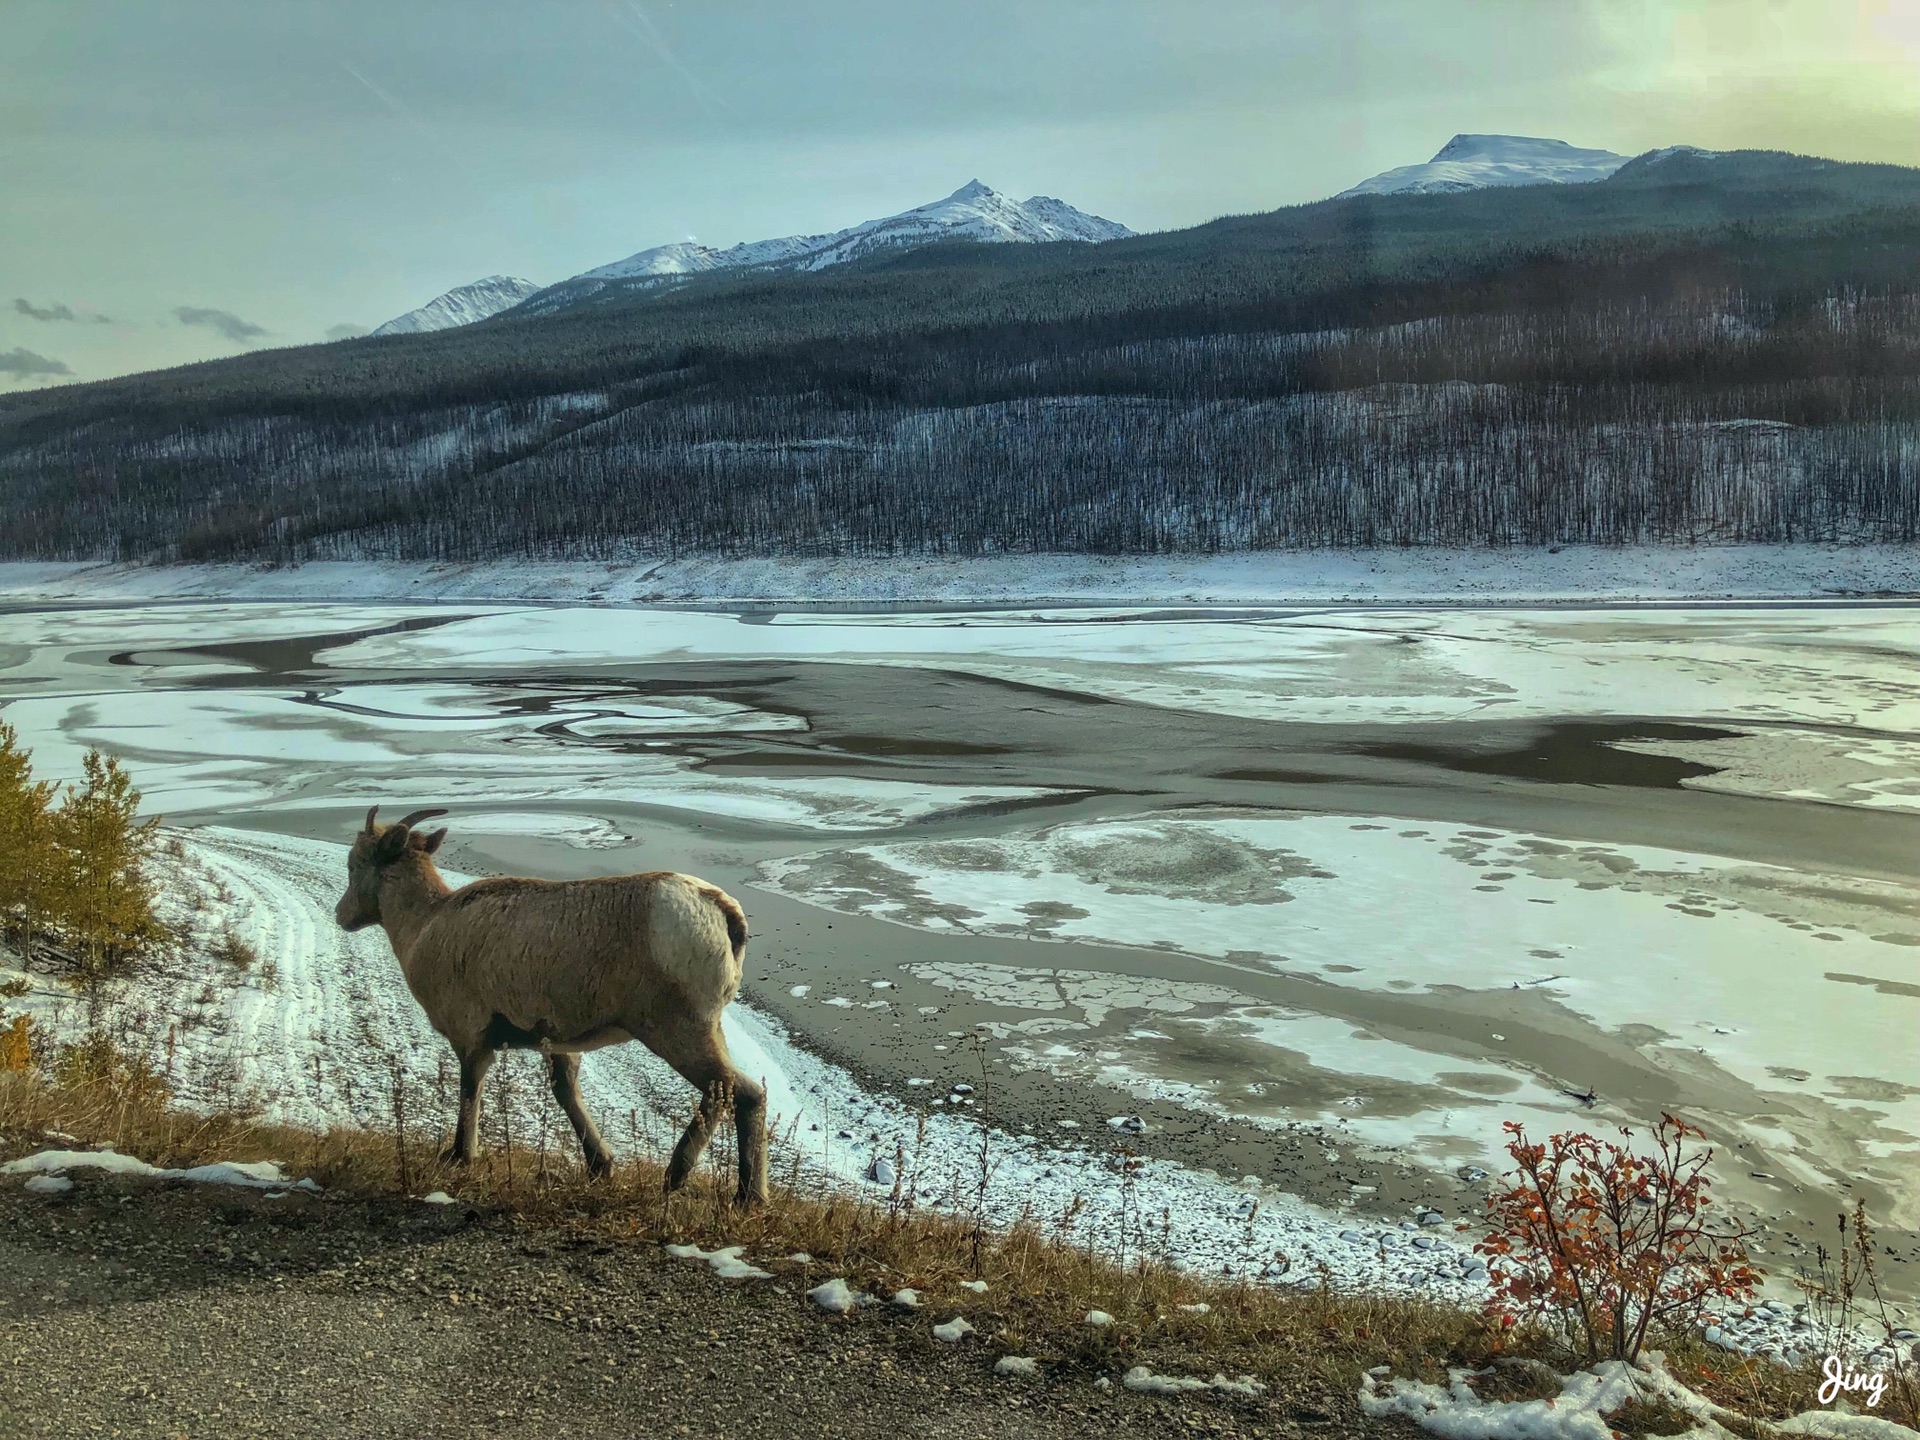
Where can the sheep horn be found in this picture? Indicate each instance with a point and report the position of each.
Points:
(372, 810)
(407, 822)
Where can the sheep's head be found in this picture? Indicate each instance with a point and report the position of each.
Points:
(375, 849)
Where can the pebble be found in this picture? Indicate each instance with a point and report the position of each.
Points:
(880, 1171)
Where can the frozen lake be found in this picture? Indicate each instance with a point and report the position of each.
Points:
(1322, 896)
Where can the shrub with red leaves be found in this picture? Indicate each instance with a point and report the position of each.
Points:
(1608, 1242)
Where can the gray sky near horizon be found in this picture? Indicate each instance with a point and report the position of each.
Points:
(187, 180)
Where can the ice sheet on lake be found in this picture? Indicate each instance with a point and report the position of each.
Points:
(1858, 668)
(222, 750)
(1849, 769)
(1215, 1048)
(1799, 986)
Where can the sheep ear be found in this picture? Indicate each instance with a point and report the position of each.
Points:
(391, 844)
(431, 842)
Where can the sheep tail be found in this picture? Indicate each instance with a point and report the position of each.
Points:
(735, 917)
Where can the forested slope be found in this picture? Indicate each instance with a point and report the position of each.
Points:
(1698, 348)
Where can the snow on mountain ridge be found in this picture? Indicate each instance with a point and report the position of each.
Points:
(462, 305)
(973, 212)
(1479, 162)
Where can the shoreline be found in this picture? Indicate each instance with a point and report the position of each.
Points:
(1519, 576)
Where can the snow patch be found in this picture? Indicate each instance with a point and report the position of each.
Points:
(726, 1263)
(835, 1297)
(255, 1174)
(1146, 1382)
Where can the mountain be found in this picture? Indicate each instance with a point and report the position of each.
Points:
(973, 212)
(1480, 162)
(462, 305)
(1698, 349)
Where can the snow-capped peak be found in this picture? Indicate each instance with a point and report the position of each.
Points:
(462, 305)
(1478, 162)
(975, 211)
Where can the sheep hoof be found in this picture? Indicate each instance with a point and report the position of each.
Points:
(599, 1167)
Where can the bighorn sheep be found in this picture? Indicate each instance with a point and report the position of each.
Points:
(564, 967)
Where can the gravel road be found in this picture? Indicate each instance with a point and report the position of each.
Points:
(170, 1309)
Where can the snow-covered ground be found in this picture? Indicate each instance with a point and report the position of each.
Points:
(320, 1037)
(1570, 573)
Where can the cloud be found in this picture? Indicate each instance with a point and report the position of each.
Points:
(57, 311)
(345, 332)
(225, 321)
(20, 362)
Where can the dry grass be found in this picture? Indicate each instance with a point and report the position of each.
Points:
(233, 951)
(1039, 1289)
(1303, 1342)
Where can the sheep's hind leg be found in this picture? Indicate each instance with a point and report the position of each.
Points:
(704, 1061)
(563, 1071)
(466, 1131)
(750, 1129)
(693, 1140)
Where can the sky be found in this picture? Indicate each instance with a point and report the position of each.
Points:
(194, 179)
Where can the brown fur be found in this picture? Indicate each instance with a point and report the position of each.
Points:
(566, 967)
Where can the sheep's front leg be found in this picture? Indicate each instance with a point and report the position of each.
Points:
(466, 1131)
(564, 1073)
